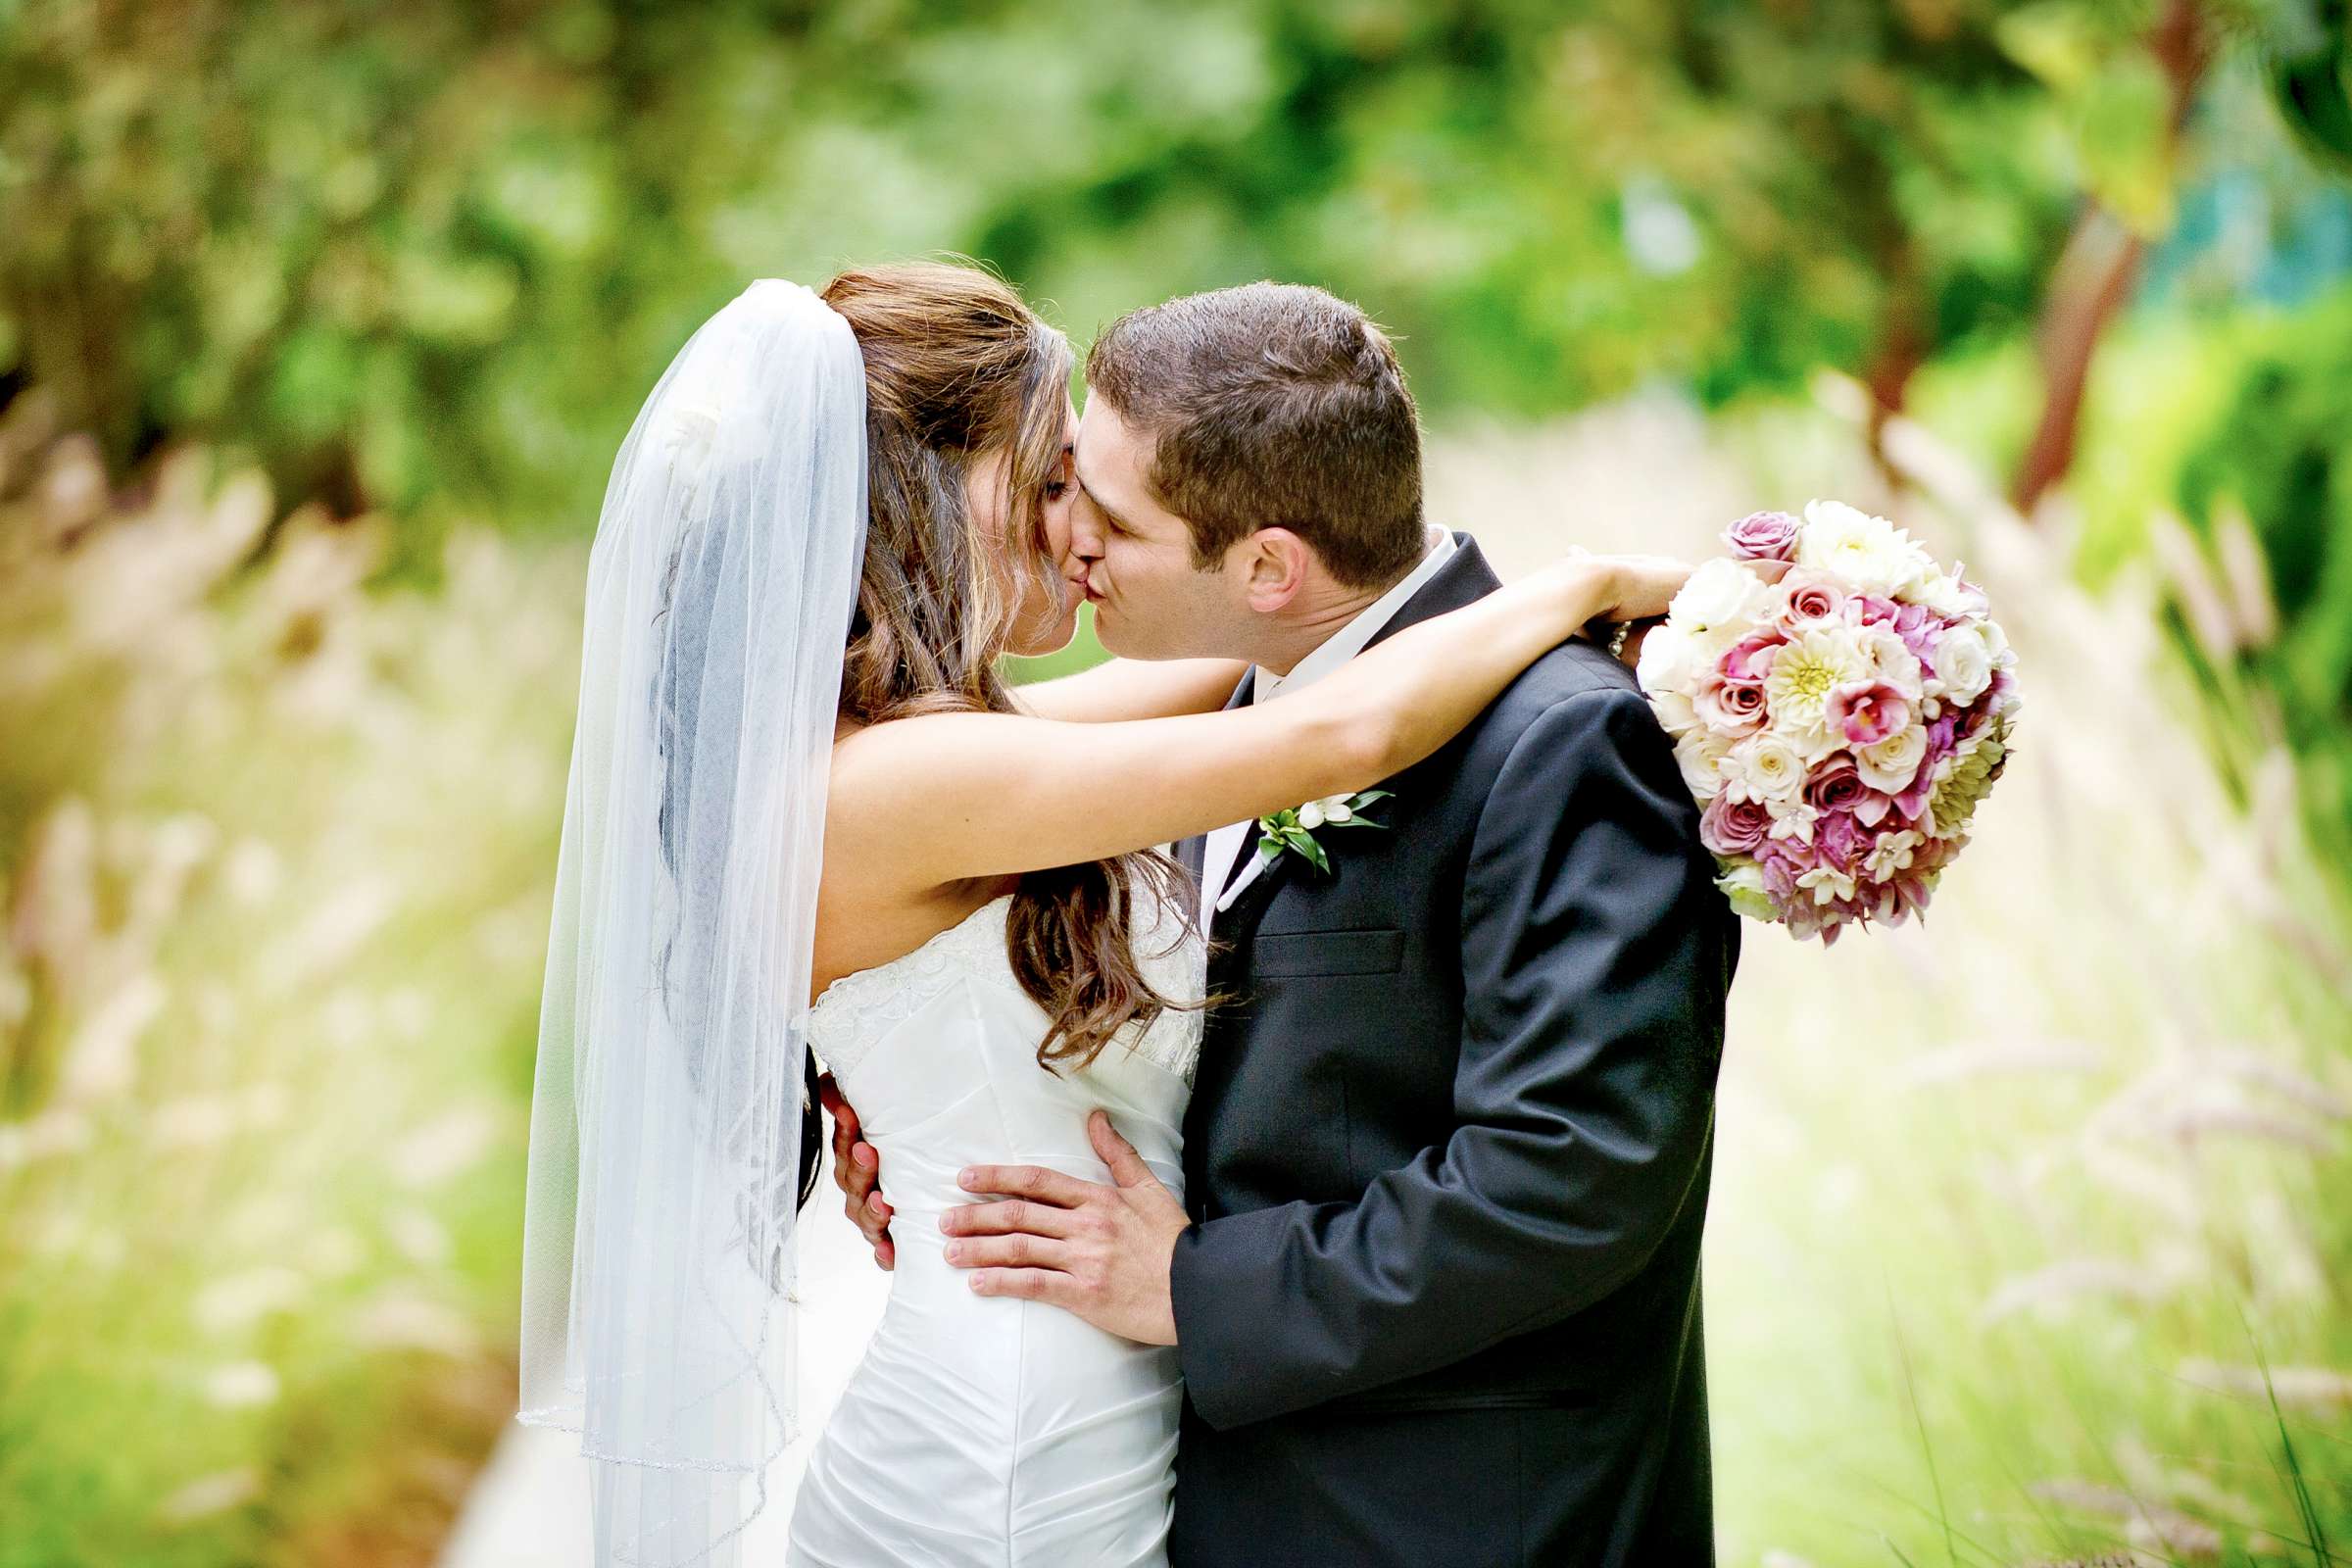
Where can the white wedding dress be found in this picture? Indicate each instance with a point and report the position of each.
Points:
(984, 1430)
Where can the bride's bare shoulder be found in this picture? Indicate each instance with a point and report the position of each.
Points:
(869, 907)
(862, 927)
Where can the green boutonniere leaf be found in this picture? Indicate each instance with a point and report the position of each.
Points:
(1289, 829)
(1303, 842)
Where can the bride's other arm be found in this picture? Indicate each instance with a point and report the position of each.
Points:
(921, 803)
(1133, 688)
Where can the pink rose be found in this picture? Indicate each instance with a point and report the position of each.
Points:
(1750, 657)
(1836, 786)
(1734, 827)
(1871, 610)
(1866, 712)
(1806, 598)
(1763, 536)
(1729, 706)
(1841, 841)
(1783, 862)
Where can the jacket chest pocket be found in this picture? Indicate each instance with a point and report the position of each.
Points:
(1310, 955)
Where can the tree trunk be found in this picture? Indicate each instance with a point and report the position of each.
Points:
(2095, 272)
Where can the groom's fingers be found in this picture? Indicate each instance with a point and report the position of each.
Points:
(1002, 1219)
(1027, 1181)
(1018, 1251)
(1029, 1285)
(1127, 1168)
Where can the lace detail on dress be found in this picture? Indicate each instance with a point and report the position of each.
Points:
(857, 1011)
(854, 1013)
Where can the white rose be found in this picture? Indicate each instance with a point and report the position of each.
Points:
(1996, 642)
(1963, 661)
(1891, 766)
(1670, 661)
(1941, 592)
(1764, 767)
(1702, 753)
(1722, 596)
(1947, 594)
(1675, 712)
(1868, 552)
(1743, 885)
(1917, 567)
(1892, 658)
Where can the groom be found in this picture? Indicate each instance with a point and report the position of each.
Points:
(1434, 1282)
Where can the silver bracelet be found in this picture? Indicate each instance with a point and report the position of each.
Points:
(1617, 639)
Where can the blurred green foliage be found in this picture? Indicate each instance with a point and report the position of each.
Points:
(273, 867)
(427, 259)
(2275, 466)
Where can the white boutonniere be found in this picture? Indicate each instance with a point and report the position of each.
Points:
(1295, 829)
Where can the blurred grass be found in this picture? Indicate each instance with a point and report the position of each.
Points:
(267, 1002)
(1083, 652)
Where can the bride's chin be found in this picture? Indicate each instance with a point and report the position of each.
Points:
(1051, 638)
(1046, 620)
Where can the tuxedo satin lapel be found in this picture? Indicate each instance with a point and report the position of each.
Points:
(1238, 921)
(1463, 581)
(1189, 855)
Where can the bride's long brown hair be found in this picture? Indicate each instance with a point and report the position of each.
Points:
(957, 369)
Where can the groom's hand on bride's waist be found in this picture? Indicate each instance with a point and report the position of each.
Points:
(1101, 1252)
(857, 1172)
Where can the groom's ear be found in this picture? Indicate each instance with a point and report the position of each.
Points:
(1275, 567)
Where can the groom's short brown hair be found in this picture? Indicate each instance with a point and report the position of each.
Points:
(1272, 406)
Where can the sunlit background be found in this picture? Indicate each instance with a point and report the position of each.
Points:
(319, 324)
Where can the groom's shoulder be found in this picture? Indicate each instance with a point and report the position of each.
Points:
(1574, 669)
(1575, 699)
(1567, 710)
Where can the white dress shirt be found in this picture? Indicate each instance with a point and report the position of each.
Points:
(1225, 844)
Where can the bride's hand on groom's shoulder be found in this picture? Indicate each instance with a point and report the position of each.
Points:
(857, 1172)
(1638, 587)
(1636, 590)
(1100, 1253)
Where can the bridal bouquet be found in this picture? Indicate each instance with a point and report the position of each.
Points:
(1840, 726)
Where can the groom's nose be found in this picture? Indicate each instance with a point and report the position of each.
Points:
(1086, 530)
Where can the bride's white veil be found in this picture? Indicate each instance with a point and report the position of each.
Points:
(666, 1126)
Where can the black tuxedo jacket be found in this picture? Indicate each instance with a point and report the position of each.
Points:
(1446, 1158)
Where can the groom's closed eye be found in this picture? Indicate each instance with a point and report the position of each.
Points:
(1109, 518)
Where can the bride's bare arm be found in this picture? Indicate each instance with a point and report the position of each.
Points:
(921, 803)
(1133, 688)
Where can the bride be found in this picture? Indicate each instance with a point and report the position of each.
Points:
(805, 815)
